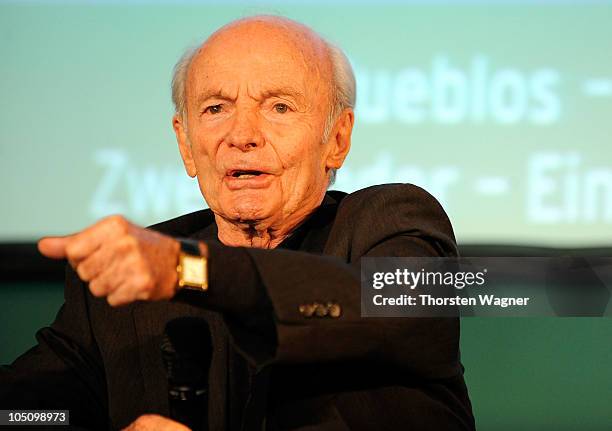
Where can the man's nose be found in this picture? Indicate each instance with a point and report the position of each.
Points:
(245, 133)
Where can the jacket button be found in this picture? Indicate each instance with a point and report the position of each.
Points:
(307, 310)
(335, 310)
(320, 309)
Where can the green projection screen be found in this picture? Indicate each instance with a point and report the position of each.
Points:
(500, 109)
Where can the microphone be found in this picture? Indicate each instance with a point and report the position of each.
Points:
(186, 350)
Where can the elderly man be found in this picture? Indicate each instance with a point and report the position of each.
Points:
(264, 114)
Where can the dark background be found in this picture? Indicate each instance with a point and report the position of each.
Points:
(522, 373)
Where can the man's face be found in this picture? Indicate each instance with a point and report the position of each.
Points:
(257, 101)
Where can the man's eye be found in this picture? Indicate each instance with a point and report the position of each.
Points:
(281, 108)
(214, 109)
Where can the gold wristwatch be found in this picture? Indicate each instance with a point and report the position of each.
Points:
(192, 267)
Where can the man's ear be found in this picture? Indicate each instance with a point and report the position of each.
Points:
(184, 144)
(340, 139)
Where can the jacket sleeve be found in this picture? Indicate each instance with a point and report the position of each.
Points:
(260, 291)
(64, 370)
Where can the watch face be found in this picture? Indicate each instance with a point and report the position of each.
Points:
(193, 271)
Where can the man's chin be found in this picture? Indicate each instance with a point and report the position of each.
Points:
(251, 207)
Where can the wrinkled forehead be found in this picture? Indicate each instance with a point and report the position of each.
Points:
(262, 55)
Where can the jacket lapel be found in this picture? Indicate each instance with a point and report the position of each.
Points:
(150, 319)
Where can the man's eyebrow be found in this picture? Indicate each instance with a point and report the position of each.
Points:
(274, 92)
(216, 94)
(283, 91)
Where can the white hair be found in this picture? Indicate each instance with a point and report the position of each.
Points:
(343, 88)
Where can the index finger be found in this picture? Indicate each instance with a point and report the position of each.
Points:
(79, 246)
(53, 246)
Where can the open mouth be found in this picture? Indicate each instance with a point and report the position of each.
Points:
(244, 174)
(240, 179)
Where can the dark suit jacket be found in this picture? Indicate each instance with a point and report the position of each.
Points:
(271, 366)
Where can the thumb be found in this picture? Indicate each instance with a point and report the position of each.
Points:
(53, 246)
